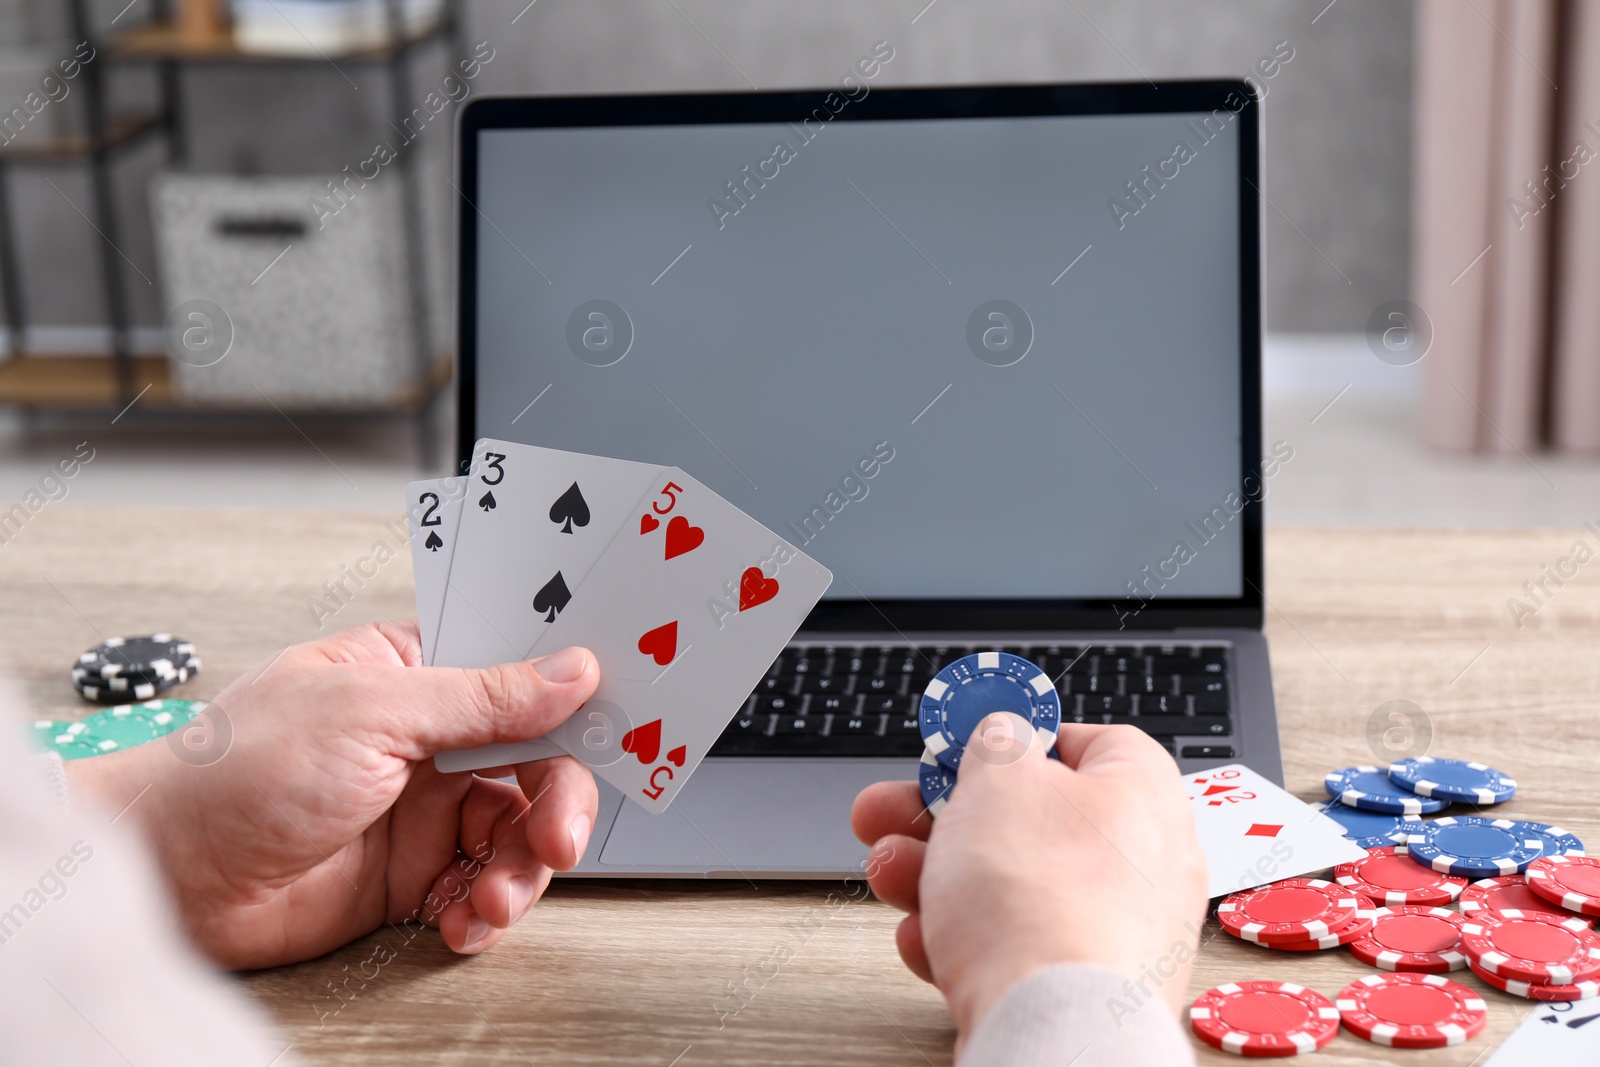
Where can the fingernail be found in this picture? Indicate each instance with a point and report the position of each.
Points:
(564, 666)
(521, 895)
(579, 829)
(477, 930)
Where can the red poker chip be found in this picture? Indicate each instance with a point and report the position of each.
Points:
(1532, 947)
(1264, 1019)
(1573, 882)
(1531, 991)
(1412, 939)
(1389, 876)
(1295, 909)
(1412, 1010)
(1339, 935)
(1509, 893)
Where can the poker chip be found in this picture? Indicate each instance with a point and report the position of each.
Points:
(1474, 847)
(65, 739)
(1532, 947)
(1412, 939)
(1339, 935)
(1406, 830)
(1453, 779)
(1390, 877)
(966, 690)
(134, 668)
(116, 728)
(149, 658)
(1369, 829)
(1412, 1010)
(1534, 991)
(1371, 789)
(1264, 1019)
(1289, 911)
(126, 680)
(104, 693)
(1509, 893)
(936, 781)
(1557, 842)
(1573, 882)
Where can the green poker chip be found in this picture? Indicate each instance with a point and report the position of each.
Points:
(116, 728)
(69, 740)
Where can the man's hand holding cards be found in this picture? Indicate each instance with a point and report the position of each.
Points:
(684, 599)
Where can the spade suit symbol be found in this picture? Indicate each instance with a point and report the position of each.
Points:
(433, 544)
(552, 597)
(486, 501)
(570, 509)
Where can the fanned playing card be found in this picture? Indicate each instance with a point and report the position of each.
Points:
(686, 609)
(534, 520)
(433, 514)
(1252, 832)
(684, 599)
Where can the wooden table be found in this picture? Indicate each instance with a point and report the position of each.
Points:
(637, 972)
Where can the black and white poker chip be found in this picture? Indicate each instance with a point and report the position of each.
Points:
(136, 668)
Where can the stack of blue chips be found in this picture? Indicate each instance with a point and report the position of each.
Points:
(961, 695)
(1379, 807)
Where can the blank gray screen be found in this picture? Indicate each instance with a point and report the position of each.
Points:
(779, 331)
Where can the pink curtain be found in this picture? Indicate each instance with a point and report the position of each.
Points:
(1506, 222)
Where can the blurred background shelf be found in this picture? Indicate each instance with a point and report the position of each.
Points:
(86, 382)
(120, 131)
(163, 40)
(175, 36)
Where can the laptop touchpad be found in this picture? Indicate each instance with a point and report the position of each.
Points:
(750, 815)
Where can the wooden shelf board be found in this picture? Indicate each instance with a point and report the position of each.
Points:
(89, 382)
(66, 148)
(164, 40)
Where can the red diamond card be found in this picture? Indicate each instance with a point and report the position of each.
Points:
(1253, 832)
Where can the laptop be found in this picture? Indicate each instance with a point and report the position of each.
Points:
(990, 354)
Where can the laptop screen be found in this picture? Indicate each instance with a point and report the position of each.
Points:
(953, 358)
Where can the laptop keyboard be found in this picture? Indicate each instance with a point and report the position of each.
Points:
(861, 700)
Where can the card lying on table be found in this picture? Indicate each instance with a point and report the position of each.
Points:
(1253, 832)
(683, 598)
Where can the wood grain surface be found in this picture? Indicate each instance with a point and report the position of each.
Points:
(730, 972)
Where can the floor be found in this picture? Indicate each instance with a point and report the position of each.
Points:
(1348, 417)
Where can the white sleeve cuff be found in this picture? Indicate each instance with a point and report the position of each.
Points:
(1081, 1015)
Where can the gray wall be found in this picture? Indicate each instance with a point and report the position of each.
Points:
(1338, 113)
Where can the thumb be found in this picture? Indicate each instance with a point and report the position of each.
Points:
(1000, 742)
(450, 708)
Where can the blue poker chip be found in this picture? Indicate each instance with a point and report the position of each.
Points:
(1557, 842)
(1453, 779)
(965, 691)
(936, 781)
(1407, 829)
(1369, 829)
(1475, 847)
(1371, 789)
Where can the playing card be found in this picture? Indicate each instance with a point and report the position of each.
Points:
(685, 610)
(1553, 1034)
(534, 520)
(433, 514)
(1252, 832)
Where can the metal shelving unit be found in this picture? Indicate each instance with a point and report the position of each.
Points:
(99, 382)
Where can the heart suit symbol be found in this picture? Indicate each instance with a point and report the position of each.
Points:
(644, 742)
(756, 588)
(661, 644)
